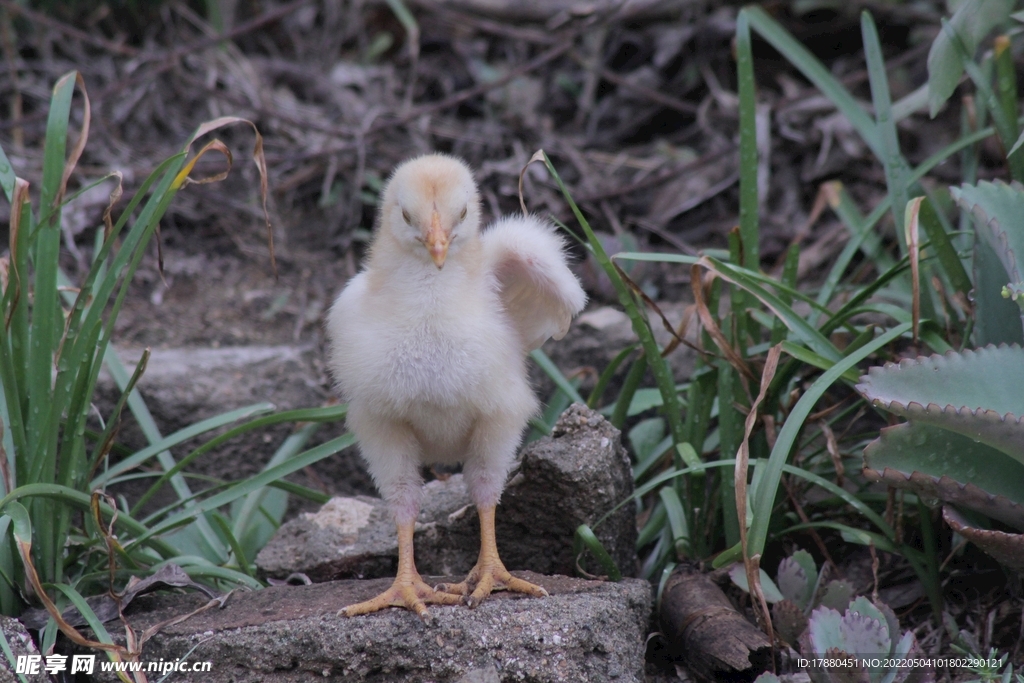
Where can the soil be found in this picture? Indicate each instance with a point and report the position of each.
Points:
(635, 104)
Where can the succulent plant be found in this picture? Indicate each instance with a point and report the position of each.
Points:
(795, 592)
(866, 637)
(963, 442)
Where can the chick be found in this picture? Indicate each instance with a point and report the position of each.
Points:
(428, 345)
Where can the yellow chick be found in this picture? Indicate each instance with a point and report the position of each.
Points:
(428, 345)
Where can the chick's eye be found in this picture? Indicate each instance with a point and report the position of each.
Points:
(462, 216)
(406, 216)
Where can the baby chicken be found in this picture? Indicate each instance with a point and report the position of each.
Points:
(428, 345)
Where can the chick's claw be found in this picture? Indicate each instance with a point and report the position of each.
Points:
(485, 579)
(408, 592)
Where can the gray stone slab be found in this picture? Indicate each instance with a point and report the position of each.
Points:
(585, 631)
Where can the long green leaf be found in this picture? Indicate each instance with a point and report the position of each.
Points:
(253, 483)
(265, 421)
(659, 366)
(972, 21)
(551, 370)
(892, 159)
(764, 499)
(83, 501)
(586, 538)
(749, 202)
(800, 57)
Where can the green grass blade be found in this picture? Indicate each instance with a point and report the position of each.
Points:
(586, 539)
(250, 528)
(45, 326)
(971, 22)
(812, 69)
(892, 158)
(749, 203)
(764, 499)
(730, 430)
(676, 520)
(236, 548)
(199, 568)
(95, 623)
(1006, 85)
(260, 422)
(178, 437)
(552, 371)
(862, 294)
(5, 648)
(929, 218)
(849, 498)
(629, 387)
(797, 325)
(810, 358)
(253, 483)
(659, 367)
(7, 176)
(152, 433)
(594, 400)
(789, 274)
(652, 457)
(1003, 124)
(83, 501)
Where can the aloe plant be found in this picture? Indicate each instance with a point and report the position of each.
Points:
(963, 442)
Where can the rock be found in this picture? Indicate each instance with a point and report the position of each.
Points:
(183, 386)
(571, 478)
(574, 477)
(21, 643)
(585, 631)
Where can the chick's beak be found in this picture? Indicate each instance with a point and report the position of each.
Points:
(437, 240)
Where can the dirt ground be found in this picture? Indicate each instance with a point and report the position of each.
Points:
(635, 103)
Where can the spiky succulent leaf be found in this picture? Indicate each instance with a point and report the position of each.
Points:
(975, 393)
(865, 637)
(996, 318)
(1005, 547)
(837, 595)
(866, 608)
(789, 621)
(998, 211)
(793, 581)
(900, 651)
(803, 592)
(891, 621)
(851, 672)
(823, 630)
(941, 465)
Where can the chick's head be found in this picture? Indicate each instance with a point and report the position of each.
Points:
(431, 207)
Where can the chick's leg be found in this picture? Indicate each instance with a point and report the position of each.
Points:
(491, 455)
(489, 574)
(392, 456)
(408, 589)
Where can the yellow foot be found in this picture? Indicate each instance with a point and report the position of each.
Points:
(486, 577)
(407, 591)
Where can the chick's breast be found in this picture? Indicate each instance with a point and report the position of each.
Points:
(408, 360)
